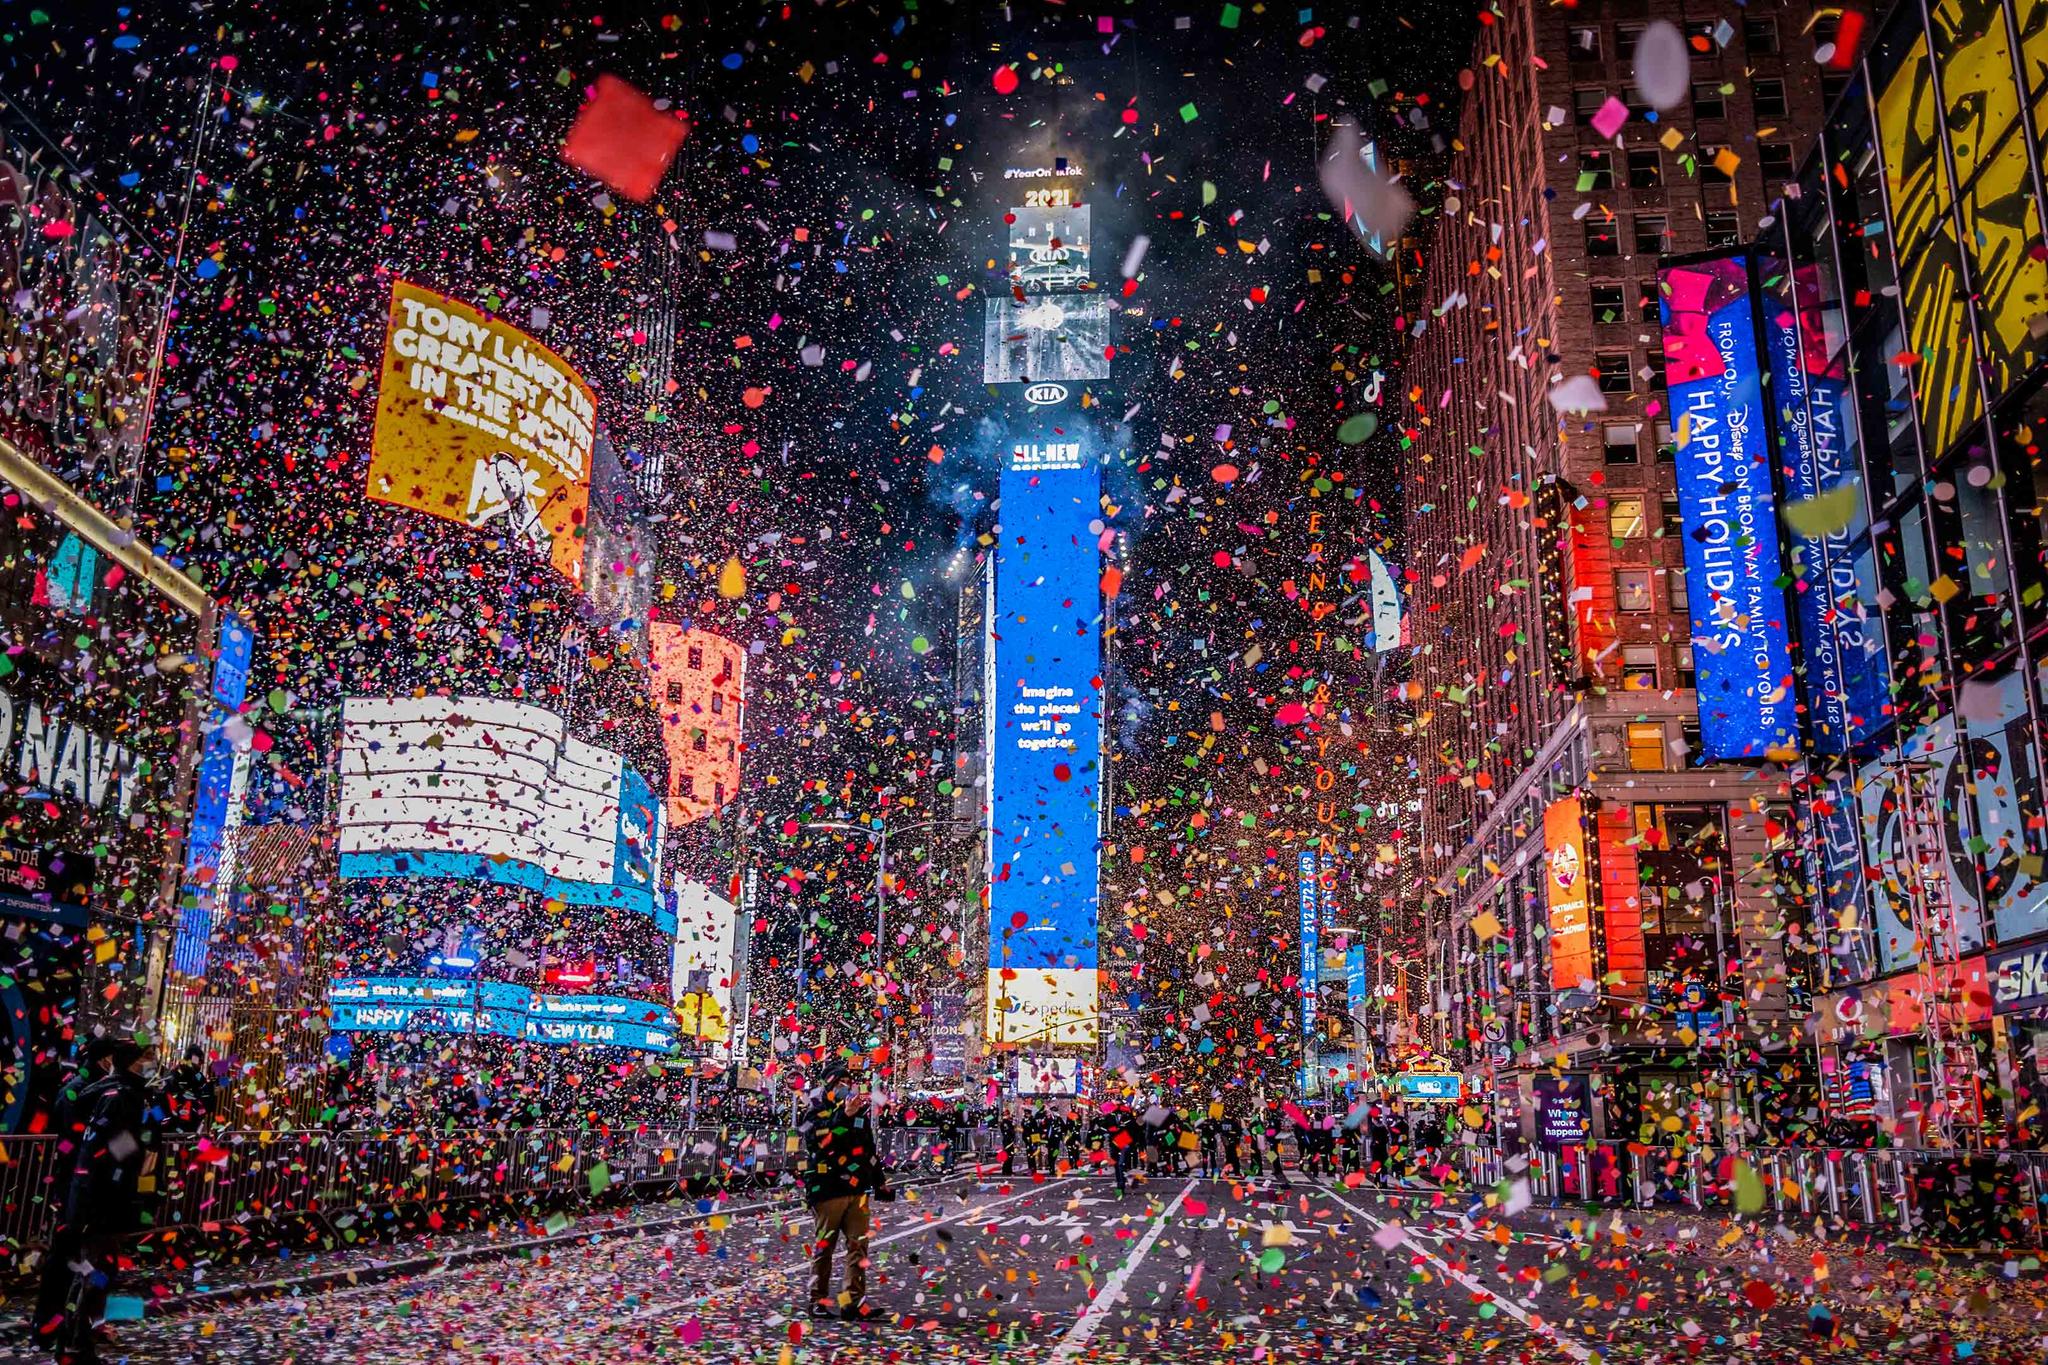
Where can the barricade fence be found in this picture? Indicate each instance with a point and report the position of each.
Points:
(1936, 1197)
(209, 1181)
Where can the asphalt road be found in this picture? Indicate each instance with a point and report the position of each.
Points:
(1178, 1270)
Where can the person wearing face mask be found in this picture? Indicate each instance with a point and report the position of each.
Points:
(841, 1168)
(102, 1201)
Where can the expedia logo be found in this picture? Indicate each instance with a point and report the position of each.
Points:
(1040, 395)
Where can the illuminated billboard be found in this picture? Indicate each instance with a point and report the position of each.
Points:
(1048, 248)
(1567, 884)
(1309, 895)
(1728, 506)
(499, 1009)
(479, 423)
(1046, 338)
(1045, 758)
(1841, 638)
(479, 789)
(698, 681)
(701, 972)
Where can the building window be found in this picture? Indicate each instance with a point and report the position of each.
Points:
(696, 656)
(1724, 228)
(686, 785)
(1686, 676)
(1622, 438)
(719, 788)
(1649, 234)
(1710, 165)
(1632, 589)
(718, 703)
(1769, 97)
(675, 692)
(1832, 84)
(1626, 36)
(1625, 518)
(1674, 588)
(1702, 38)
(1759, 36)
(1586, 103)
(1606, 300)
(1646, 746)
(1689, 736)
(1649, 301)
(698, 741)
(1645, 168)
(1611, 367)
(1601, 238)
(1707, 101)
(1774, 159)
(1585, 44)
(1666, 442)
(1596, 169)
(1670, 520)
(1639, 667)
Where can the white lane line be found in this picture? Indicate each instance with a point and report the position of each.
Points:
(929, 1225)
(1076, 1339)
(1501, 1300)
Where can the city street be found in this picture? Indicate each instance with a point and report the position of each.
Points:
(1179, 1269)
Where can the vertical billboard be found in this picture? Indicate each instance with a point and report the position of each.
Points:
(479, 423)
(1308, 892)
(699, 691)
(1841, 638)
(479, 789)
(1046, 756)
(1729, 508)
(217, 806)
(1567, 885)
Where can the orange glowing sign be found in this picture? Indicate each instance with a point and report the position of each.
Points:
(479, 423)
(1567, 882)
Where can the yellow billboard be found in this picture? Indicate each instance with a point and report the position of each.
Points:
(479, 423)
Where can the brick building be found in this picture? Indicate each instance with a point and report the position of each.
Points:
(1554, 669)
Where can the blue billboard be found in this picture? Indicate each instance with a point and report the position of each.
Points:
(1309, 893)
(405, 1004)
(1729, 509)
(1841, 639)
(1357, 992)
(1045, 757)
(216, 809)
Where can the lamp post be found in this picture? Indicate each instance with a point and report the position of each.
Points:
(880, 832)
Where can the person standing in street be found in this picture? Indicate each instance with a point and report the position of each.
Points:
(102, 1201)
(841, 1170)
(188, 1094)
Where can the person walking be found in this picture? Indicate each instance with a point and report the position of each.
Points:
(189, 1094)
(841, 1170)
(102, 1200)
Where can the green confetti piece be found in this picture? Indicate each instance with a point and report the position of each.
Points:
(1188, 112)
(1358, 427)
(1270, 1261)
(600, 1178)
(1231, 14)
(1832, 511)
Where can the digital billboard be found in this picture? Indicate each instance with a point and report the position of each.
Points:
(217, 807)
(1308, 894)
(403, 1004)
(1567, 883)
(479, 423)
(1045, 758)
(1049, 1076)
(705, 925)
(1046, 338)
(479, 789)
(698, 681)
(1840, 636)
(1729, 510)
(1048, 247)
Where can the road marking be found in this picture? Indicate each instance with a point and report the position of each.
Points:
(1507, 1304)
(1076, 1339)
(929, 1225)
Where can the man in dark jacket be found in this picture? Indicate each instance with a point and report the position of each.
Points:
(841, 1168)
(188, 1094)
(102, 1200)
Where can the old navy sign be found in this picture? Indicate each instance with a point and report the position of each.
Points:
(1840, 638)
(2019, 979)
(1748, 705)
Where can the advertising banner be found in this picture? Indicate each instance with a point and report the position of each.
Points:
(1046, 338)
(1729, 509)
(217, 807)
(479, 789)
(1046, 755)
(1567, 882)
(1564, 1111)
(399, 1004)
(479, 423)
(1841, 639)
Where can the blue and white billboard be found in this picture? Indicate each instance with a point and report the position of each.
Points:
(1045, 760)
(222, 780)
(1729, 508)
(404, 1004)
(1308, 892)
(1840, 636)
(479, 789)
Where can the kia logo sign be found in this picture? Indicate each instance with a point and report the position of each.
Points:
(1039, 395)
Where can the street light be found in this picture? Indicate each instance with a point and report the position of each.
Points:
(880, 832)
